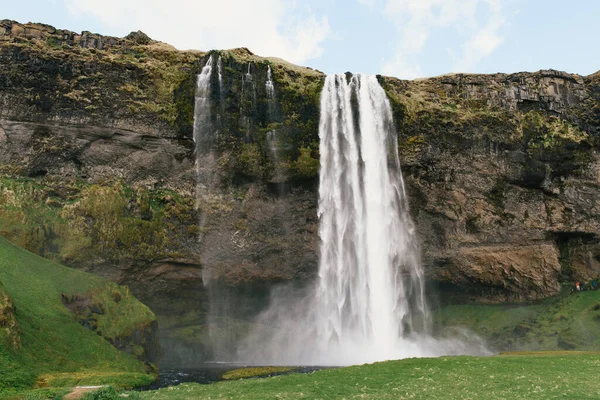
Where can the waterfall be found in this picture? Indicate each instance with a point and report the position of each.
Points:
(203, 135)
(248, 101)
(206, 125)
(202, 103)
(220, 71)
(270, 88)
(368, 303)
(249, 73)
(370, 278)
(271, 137)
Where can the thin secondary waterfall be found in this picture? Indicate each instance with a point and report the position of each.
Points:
(221, 87)
(247, 101)
(202, 123)
(202, 130)
(368, 303)
(206, 125)
(249, 73)
(269, 87)
(220, 71)
(271, 137)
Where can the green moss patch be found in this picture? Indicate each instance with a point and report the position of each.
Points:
(254, 372)
(543, 132)
(77, 223)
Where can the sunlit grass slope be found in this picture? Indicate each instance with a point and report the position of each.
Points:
(565, 322)
(51, 347)
(520, 376)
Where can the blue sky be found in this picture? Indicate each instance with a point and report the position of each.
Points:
(404, 38)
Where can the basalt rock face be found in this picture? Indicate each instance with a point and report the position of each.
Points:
(503, 171)
(99, 169)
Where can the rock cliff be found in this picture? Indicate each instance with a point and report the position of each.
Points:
(98, 169)
(504, 177)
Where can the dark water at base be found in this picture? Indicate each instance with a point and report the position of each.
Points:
(209, 373)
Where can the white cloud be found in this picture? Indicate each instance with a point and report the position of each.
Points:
(266, 27)
(484, 41)
(368, 3)
(479, 24)
(402, 67)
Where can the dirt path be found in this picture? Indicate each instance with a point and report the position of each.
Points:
(79, 391)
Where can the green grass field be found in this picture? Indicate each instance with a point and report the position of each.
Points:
(563, 322)
(566, 375)
(52, 349)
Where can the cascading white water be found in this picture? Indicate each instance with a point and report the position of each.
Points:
(221, 86)
(271, 135)
(368, 303)
(203, 130)
(248, 101)
(220, 71)
(370, 278)
(270, 88)
(202, 102)
(249, 73)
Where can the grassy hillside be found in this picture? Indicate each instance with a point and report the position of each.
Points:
(564, 322)
(514, 376)
(41, 341)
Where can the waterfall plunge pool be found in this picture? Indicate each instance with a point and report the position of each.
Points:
(212, 372)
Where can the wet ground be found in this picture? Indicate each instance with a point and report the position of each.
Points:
(208, 373)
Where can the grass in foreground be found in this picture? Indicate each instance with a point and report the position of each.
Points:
(53, 349)
(508, 376)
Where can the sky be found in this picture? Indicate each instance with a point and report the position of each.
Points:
(404, 38)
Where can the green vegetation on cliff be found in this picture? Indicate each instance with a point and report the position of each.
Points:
(85, 224)
(44, 343)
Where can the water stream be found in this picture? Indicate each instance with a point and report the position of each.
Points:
(202, 132)
(270, 88)
(202, 113)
